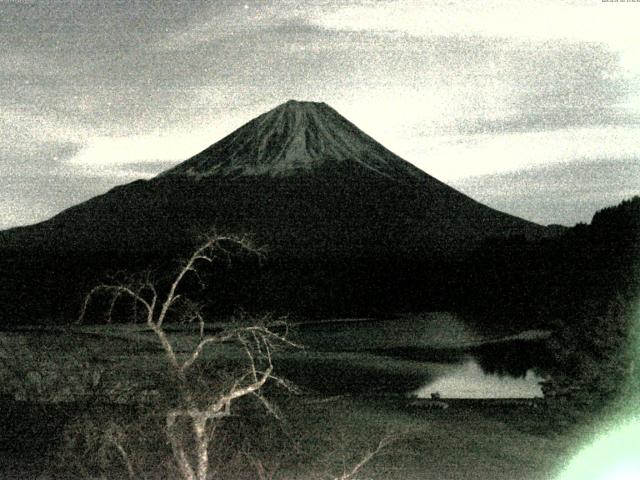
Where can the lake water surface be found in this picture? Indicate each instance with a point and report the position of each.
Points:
(469, 380)
(425, 354)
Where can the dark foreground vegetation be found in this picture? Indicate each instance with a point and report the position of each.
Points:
(318, 438)
(584, 286)
(581, 285)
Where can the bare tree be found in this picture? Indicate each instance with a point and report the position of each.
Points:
(257, 341)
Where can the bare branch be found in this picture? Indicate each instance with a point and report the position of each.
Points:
(166, 345)
(116, 291)
(224, 402)
(206, 253)
(286, 384)
(384, 442)
(267, 405)
(191, 311)
(200, 347)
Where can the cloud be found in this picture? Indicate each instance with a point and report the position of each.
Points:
(534, 20)
(458, 156)
(524, 65)
(225, 19)
(108, 154)
(561, 193)
(571, 63)
(149, 153)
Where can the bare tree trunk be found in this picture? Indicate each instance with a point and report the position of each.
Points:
(178, 450)
(202, 446)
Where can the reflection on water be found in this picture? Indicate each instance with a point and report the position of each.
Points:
(469, 380)
(514, 358)
(498, 368)
(425, 353)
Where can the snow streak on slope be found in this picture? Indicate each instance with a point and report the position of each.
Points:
(297, 138)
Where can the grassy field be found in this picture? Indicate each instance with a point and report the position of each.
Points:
(352, 399)
(338, 357)
(470, 441)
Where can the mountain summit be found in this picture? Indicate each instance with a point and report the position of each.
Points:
(296, 138)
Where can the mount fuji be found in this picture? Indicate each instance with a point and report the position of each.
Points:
(301, 180)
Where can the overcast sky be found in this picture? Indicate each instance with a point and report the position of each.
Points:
(532, 107)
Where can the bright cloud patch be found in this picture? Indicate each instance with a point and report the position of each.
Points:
(467, 155)
(535, 20)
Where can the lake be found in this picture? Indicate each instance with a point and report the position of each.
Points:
(411, 355)
(469, 380)
(419, 355)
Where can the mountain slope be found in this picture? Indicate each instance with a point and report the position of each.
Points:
(296, 138)
(341, 217)
(300, 178)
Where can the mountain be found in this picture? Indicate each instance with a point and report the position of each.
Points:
(299, 178)
(297, 138)
(320, 194)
